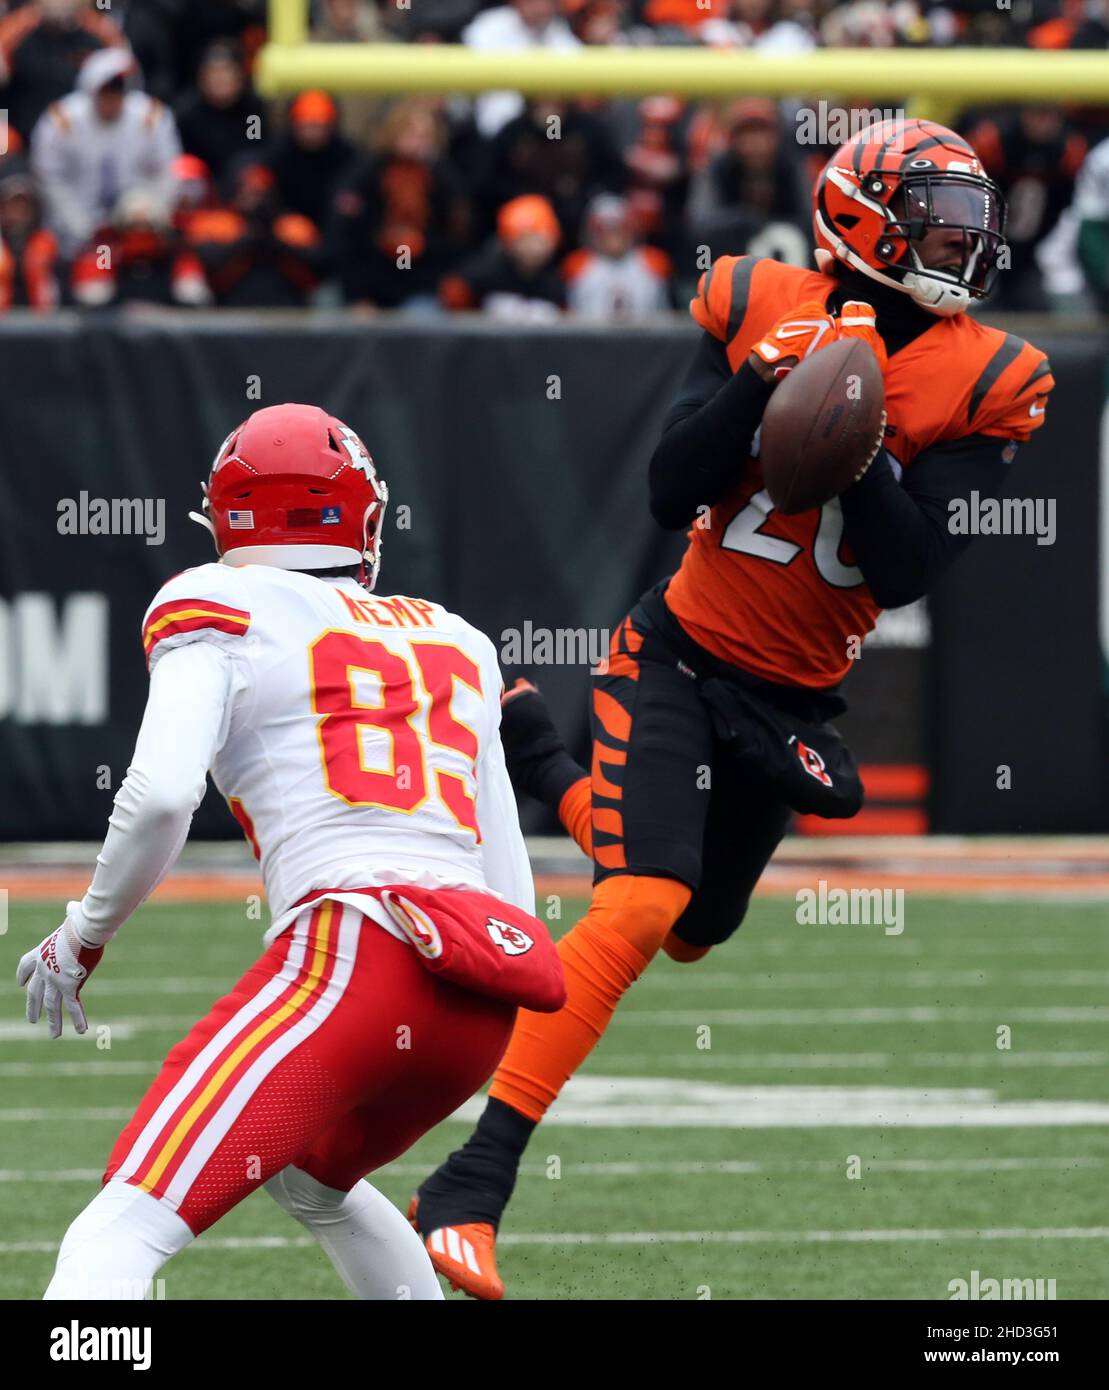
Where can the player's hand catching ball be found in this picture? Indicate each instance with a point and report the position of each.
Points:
(808, 328)
(794, 337)
(858, 320)
(55, 971)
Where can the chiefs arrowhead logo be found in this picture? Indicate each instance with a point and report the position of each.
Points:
(511, 940)
(813, 763)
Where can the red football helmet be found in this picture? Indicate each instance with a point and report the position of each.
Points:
(296, 488)
(891, 185)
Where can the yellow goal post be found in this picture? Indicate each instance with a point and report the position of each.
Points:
(934, 82)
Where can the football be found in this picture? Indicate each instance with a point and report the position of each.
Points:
(822, 426)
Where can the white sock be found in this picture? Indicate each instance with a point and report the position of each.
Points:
(376, 1252)
(114, 1248)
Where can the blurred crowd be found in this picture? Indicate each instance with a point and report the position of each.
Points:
(139, 166)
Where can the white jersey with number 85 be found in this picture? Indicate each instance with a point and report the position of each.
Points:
(360, 745)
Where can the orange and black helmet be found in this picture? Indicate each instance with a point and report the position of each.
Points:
(886, 188)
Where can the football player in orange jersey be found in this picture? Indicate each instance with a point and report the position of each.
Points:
(734, 663)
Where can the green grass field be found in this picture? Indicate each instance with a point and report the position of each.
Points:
(714, 1164)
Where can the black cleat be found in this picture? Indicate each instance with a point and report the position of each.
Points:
(458, 1208)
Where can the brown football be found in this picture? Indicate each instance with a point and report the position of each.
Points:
(821, 425)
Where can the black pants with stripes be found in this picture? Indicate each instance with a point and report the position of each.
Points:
(668, 798)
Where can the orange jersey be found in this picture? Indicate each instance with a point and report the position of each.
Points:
(781, 596)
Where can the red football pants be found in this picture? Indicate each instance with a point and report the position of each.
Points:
(335, 1052)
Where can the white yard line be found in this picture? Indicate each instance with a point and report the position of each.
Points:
(999, 1013)
(18, 1176)
(121, 1029)
(774, 1167)
(577, 1238)
(895, 978)
(679, 1168)
(85, 1069)
(65, 1114)
(746, 1061)
(672, 1103)
(806, 1237)
(162, 984)
(756, 978)
(851, 1061)
(853, 941)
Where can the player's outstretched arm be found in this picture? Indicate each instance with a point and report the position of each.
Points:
(181, 729)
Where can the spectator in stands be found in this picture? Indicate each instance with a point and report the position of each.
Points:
(98, 142)
(193, 191)
(42, 45)
(599, 21)
(658, 174)
(520, 25)
(348, 21)
(215, 120)
(556, 149)
(152, 38)
(199, 24)
(684, 17)
(401, 219)
(873, 24)
(140, 259)
(752, 183)
(254, 254)
(311, 158)
(362, 21)
(1034, 157)
(1079, 24)
(28, 252)
(610, 276)
(516, 277)
(1092, 30)
(758, 24)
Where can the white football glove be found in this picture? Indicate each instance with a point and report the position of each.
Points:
(55, 970)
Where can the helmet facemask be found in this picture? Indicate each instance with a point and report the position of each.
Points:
(967, 204)
(373, 523)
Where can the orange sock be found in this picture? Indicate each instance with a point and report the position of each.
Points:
(575, 811)
(602, 956)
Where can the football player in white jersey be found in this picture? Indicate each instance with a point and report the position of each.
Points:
(356, 739)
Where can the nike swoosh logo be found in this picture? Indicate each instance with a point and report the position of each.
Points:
(799, 327)
(1035, 409)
